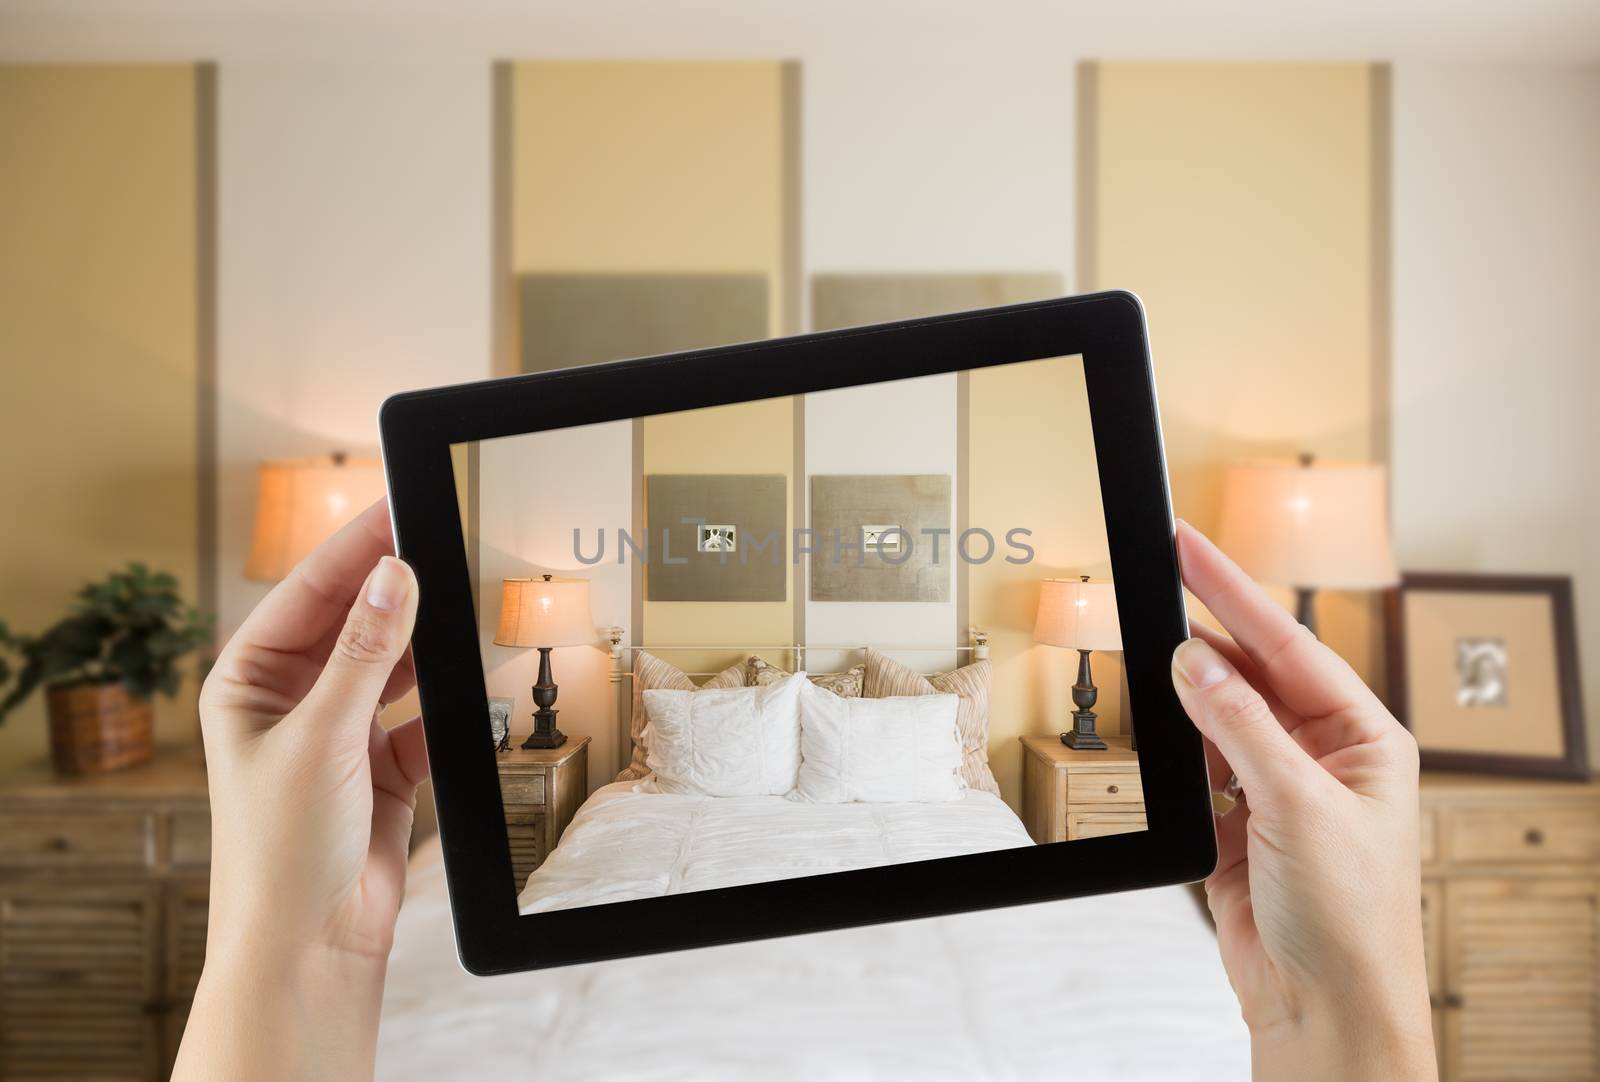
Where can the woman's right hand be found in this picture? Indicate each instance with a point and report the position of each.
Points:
(1317, 890)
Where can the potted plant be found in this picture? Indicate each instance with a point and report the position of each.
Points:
(101, 666)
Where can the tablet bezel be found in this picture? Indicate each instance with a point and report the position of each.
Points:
(1107, 330)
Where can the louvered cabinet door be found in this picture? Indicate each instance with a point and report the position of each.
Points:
(78, 996)
(186, 903)
(1522, 973)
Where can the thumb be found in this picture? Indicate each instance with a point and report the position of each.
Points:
(1270, 766)
(372, 641)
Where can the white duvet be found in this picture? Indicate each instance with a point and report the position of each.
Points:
(629, 842)
(1125, 988)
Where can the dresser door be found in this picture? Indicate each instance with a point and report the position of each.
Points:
(78, 995)
(185, 915)
(1522, 972)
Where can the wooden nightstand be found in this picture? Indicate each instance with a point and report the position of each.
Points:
(1069, 794)
(541, 789)
(103, 891)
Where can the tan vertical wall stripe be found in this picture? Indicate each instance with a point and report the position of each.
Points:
(99, 296)
(205, 218)
(1381, 101)
(1088, 108)
(1237, 200)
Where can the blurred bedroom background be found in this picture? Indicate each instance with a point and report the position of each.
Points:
(1365, 233)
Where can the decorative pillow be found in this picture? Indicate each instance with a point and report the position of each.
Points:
(886, 677)
(650, 672)
(896, 750)
(725, 742)
(758, 672)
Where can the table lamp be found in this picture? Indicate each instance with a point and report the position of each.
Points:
(1309, 525)
(1079, 615)
(544, 613)
(300, 502)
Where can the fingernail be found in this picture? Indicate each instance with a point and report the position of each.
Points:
(387, 588)
(1199, 664)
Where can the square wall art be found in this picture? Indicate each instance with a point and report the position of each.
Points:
(885, 515)
(716, 537)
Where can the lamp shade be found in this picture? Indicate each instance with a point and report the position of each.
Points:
(544, 612)
(1078, 614)
(300, 503)
(1322, 525)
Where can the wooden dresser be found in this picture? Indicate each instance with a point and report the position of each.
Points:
(1069, 794)
(1511, 910)
(103, 886)
(541, 788)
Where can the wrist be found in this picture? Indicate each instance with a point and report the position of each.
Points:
(306, 1012)
(1351, 1038)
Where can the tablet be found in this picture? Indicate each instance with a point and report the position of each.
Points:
(777, 638)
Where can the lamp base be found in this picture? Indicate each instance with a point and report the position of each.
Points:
(1082, 737)
(545, 734)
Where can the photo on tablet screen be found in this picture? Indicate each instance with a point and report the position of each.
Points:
(796, 636)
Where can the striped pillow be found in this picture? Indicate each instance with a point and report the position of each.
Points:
(887, 678)
(649, 673)
(759, 672)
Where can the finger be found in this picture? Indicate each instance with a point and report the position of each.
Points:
(308, 604)
(1231, 714)
(1309, 678)
(399, 758)
(402, 680)
(345, 697)
(1247, 669)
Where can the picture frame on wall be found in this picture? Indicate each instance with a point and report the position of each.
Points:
(1483, 669)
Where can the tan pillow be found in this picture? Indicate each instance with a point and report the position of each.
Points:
(650, 672)
(886, 678)
(758, 673)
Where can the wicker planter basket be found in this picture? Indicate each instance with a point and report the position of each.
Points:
(96, 728)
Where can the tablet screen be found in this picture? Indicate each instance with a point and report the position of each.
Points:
(799, 636)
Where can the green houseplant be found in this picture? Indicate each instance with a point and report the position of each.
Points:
(101, 665)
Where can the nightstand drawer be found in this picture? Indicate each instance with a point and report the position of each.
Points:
(1107, 787)
(74, 840)
(1101, 824)
(522, 788)
(1495, 835)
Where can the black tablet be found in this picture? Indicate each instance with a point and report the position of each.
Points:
(808, 633)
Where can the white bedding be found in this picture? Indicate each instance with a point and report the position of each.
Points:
(1125, 988)
(629, 842)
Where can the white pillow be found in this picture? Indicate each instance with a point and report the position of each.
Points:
(902, 749)
(726, 742)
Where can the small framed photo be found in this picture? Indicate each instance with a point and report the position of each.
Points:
(1483, 669)
(882, 539)
(718, 538)
(500, 721)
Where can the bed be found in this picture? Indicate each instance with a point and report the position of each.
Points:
(628, 842)
(1126, 987)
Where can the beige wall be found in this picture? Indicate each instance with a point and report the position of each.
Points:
(631, 168)
(1032, 463)
(751, 437)
(634, 166)
(98, 344)
(1237, 201)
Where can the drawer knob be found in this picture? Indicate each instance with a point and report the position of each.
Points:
(1534, 836)
(1111, 788)
(58, 845)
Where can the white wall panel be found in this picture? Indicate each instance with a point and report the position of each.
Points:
(354, 261)
(1497, 327)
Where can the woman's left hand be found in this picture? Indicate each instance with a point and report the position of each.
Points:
(311, 802)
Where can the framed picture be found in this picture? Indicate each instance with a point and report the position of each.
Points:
(500, 722)
(1483, 669)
